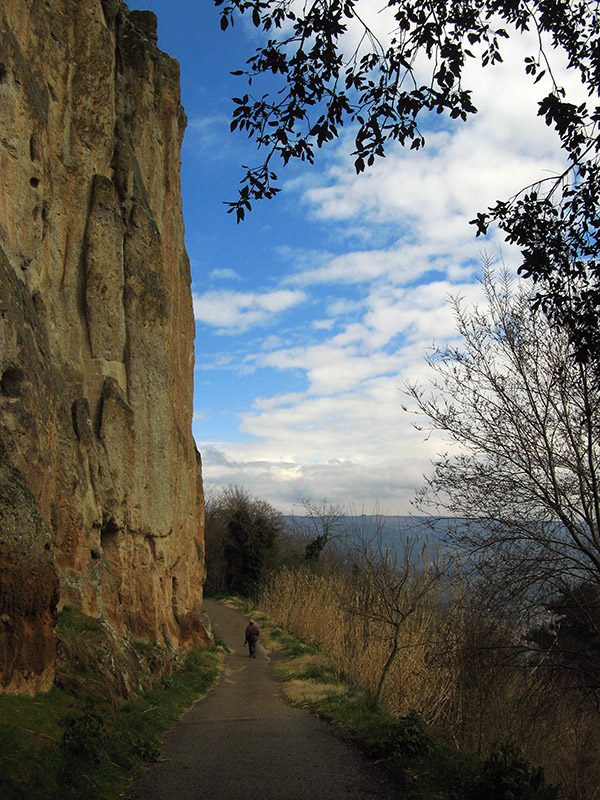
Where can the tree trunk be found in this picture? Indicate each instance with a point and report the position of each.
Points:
(388, 664)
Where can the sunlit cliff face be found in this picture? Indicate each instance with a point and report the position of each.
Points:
(101, 494)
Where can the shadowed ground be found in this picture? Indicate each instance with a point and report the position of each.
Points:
(243, 740)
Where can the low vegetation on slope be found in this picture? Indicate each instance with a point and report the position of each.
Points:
(426, 767)
(89, 734)
(475, 683)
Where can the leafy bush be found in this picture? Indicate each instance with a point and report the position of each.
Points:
(72, 620)
(239, 535)
(148, 749)
(219, 642)
(84, 736)
(61, 746)
(409, 737)
(507, 775)
(166, 681)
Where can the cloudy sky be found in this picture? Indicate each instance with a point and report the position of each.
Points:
(314, 313)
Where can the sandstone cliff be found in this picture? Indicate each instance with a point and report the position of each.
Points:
(100, 487)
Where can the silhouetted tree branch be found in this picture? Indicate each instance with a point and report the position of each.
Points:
(385, 89)
(526, 418)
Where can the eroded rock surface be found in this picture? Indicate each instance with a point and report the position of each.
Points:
(96, 335)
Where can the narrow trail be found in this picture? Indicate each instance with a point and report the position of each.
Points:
(243, 740)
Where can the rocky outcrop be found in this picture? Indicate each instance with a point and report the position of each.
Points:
(100, 485)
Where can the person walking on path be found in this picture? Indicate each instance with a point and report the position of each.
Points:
(252, 634)
(243, 727)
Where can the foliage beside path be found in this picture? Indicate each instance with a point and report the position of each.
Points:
(426, 767)
(80, 740)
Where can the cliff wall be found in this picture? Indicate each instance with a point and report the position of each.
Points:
(100, 488)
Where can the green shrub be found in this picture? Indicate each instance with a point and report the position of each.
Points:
(319, 672)
(71, 620)
(166, 681)
(409, 737)
(84, 736)
(147, 748)
(507, 775)
(219, 642)
(446, 772)
(58, 746)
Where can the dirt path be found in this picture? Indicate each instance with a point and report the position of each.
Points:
(243, 740)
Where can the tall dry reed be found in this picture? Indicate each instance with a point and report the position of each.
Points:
(323, 609)
(454, 667)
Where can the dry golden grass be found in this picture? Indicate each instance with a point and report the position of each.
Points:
(300, 664)
(449, 669)
(317, 609)
(307, 693)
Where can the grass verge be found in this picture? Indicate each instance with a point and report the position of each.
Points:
(426, 769)
(72, 743)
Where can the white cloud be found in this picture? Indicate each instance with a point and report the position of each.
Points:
(379, 456)
(205, 136)
(224, 274)
(323, 324)
(236, 312)
(347, 436)
(432, 193)
(390, 486)
(364, 266)
(424, 199)
(396, 245)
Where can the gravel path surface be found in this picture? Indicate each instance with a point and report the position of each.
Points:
(243, 740)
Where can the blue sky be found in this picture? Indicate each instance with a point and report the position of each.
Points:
(313, 314)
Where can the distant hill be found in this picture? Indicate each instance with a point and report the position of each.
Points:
(393, 528)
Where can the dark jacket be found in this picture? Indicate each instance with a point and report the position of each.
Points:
(252, 632)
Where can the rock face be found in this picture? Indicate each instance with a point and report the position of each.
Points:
(100, 489)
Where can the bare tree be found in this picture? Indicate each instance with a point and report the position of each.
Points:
(325, 520)
(391, 582)
(526, 418)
